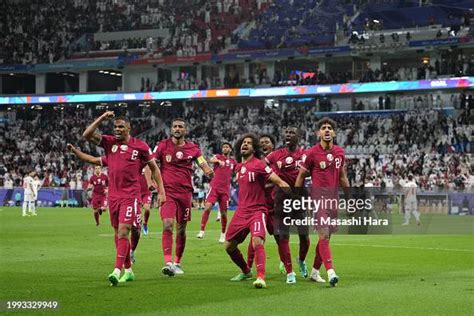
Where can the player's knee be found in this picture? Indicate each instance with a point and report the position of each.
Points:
(229, 247)
(123, 232)
(168, 225)
(257, 241)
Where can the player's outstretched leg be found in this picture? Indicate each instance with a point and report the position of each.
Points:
(204, 220)
(326, 257)
(25, 209)
(315, 274)
(167, 245)
(260, 261)
(304, 247)
(236, 256)
(180, 245)
(134, 239)
(223, 225)
(250, 254)
(96, 217)
(146, 217)
(123, 251)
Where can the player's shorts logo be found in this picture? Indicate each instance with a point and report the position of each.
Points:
(168, 158)
(289, 160)
(114, 148)
(322, 164)
(242, 171)
(123, 147)
(179, 155)
(330, 157)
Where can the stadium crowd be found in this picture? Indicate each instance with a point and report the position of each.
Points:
(428, 143)
(47, 31)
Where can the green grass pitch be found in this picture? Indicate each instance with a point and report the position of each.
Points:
(60, 255)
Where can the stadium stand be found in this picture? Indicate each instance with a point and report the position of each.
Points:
(438, 140)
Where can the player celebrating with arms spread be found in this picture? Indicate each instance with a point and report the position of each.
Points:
(219, 189)
(252, 173)
(325, 163)
(175, 156)
(125, 157)
(98, 182)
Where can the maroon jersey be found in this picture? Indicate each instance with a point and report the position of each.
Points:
(223, 174)
(325, 166)
(143, 184)
(252, 176)
(286, 164)
(100, 183)
(176, 164)
(125, 162)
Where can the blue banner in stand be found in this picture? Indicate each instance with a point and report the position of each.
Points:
(288, 91)
(14, 68)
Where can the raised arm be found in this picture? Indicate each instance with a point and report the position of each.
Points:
(90, 133)
(202, 163)
(83, 156)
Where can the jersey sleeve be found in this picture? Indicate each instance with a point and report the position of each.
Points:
(307, 161)
(270, 159)
(158, 150)
(106, 142)
(197, 152)
(103, 161)
(146, 154)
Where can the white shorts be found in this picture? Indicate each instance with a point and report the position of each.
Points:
(410, 206)
(28, 197)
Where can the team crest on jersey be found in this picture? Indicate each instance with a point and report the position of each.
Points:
(322, 164)
(242, 171)
(168, 158)
(329, 157)
(114, 148)
(179, 154)
(227, 162)
(123, 147)
(279, 163)
(289, 160)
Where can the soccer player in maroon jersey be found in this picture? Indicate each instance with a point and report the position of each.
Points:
(267, 144)
(285, 162)
(146, 200)
(98, 182)
(125, 157)
(325, 163)
(175, 156)
(252, 174)
(219, 189)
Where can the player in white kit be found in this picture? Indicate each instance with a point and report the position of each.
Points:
(29, 195)
(409, 189)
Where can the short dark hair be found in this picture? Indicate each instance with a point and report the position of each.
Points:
(178, 119)
(226, 143)
(272, 139)
(326, 120)
(255, 145)
(122, 118)
(298, 131)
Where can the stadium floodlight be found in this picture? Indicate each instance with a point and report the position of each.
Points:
(101, 71)
(112, 73)
(105, 72)
(12, 74)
